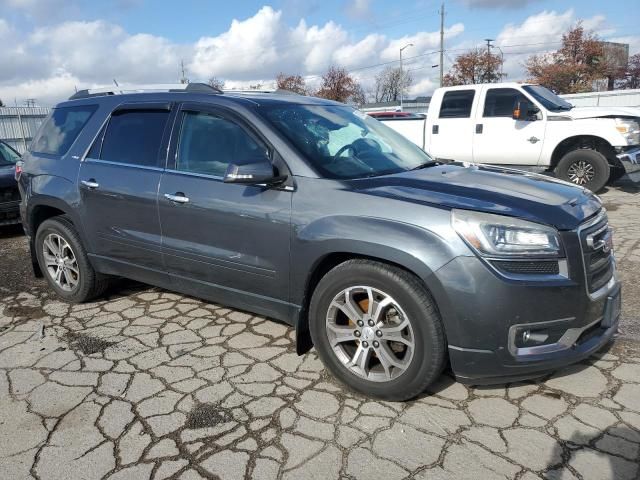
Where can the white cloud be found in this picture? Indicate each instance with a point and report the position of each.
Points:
(359, 9)
(497, 3)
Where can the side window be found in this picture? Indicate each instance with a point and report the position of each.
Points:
(7, 156)
(208, 144)
(134, 137)
(61, 129)
(500, 102)
(457, 104)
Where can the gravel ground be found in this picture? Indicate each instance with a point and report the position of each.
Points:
(148, 384)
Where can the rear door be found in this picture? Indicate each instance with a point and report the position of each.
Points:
(452, 129)
(500, 139)
(223, 237)
(119, 181)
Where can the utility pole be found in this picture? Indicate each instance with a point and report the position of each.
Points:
(486, 70)
(183, 79)
(442, 44)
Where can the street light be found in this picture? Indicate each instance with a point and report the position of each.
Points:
(401, 77)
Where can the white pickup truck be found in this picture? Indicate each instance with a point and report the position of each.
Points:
(527, 126)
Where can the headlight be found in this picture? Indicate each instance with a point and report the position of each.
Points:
(499, 236)
(630, 130)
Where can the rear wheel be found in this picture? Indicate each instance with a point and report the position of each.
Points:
(64, 262)
(584, 167)
(377, 330)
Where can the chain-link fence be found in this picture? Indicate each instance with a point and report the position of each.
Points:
(18, 125)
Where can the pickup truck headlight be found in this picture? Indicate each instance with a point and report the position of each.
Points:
(499, 236)
(630, 130)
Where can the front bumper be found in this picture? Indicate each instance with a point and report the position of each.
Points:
(484, 314)
(630, 159)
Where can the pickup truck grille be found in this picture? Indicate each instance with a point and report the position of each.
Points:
(597, 252)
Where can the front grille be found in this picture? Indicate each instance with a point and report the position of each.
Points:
(524, 267)
(597, 256)
(9, 194)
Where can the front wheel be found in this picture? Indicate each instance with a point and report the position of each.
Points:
(377, 329)
(584, 167)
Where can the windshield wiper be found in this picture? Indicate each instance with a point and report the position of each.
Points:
(430, 163)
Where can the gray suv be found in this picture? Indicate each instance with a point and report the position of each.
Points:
(312, 213)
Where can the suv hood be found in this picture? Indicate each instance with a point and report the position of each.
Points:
(579, 113)
(489, 189)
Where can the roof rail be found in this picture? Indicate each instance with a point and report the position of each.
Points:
(279, 91)
(163, 87)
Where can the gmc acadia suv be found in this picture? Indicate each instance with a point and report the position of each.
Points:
(310, 212)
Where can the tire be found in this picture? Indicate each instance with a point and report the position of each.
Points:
(408, 305)
(80, 282)
(584, 167)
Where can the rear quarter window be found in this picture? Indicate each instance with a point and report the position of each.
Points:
(61, 129)
(457, 104)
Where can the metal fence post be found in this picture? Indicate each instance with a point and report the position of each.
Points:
(24, 139)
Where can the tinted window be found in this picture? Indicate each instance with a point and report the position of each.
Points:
(208, 144)
(457, 104)
(500, 102)
(7, 155)
(134, 137)
(61, 129)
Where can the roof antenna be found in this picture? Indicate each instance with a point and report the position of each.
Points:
(116, 83)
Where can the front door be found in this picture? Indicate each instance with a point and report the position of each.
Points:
(118, 183)
(499, 138)
(231, 240)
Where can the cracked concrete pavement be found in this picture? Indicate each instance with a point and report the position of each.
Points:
(149, 384)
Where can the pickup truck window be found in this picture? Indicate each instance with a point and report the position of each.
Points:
(457, 104)
(500, 102)
(343, 143)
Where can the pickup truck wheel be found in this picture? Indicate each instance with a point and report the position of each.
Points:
(64, 262)
(584, 167)
(377, 329)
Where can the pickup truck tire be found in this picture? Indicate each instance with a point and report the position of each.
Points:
(64, 262)
(584, 167)
(377, 329)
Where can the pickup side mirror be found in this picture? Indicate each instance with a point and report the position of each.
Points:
(525, 111)
(254, 171)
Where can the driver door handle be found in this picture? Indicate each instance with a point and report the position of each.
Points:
(178, 197)
(90, 184)
(533, 139)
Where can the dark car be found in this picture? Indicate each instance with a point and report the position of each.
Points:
(9, 194)
(315, 214)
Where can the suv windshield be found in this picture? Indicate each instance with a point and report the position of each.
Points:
(547, 98)
(8, 156)
(344, 143)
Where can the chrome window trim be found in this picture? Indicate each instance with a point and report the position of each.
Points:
(195, 174)
(129, 165)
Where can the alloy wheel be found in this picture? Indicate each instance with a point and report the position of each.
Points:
(581, 172)
(370, 334)
(60, 262)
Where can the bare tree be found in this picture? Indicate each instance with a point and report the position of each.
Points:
(216, 82)
(631, 78)
(291, 83)
(338, 85)
(390, 83)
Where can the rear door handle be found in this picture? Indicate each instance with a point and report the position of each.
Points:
(90, 184)
(479, 128)
(178, 197)
(435, 129)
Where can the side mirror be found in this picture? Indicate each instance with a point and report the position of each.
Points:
(255, 171)
(525, 111)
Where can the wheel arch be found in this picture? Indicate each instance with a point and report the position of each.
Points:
(576, 142)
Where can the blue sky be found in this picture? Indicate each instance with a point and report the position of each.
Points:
(53, 46)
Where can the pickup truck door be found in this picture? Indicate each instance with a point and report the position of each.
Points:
(500, 139)
(451, 129)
